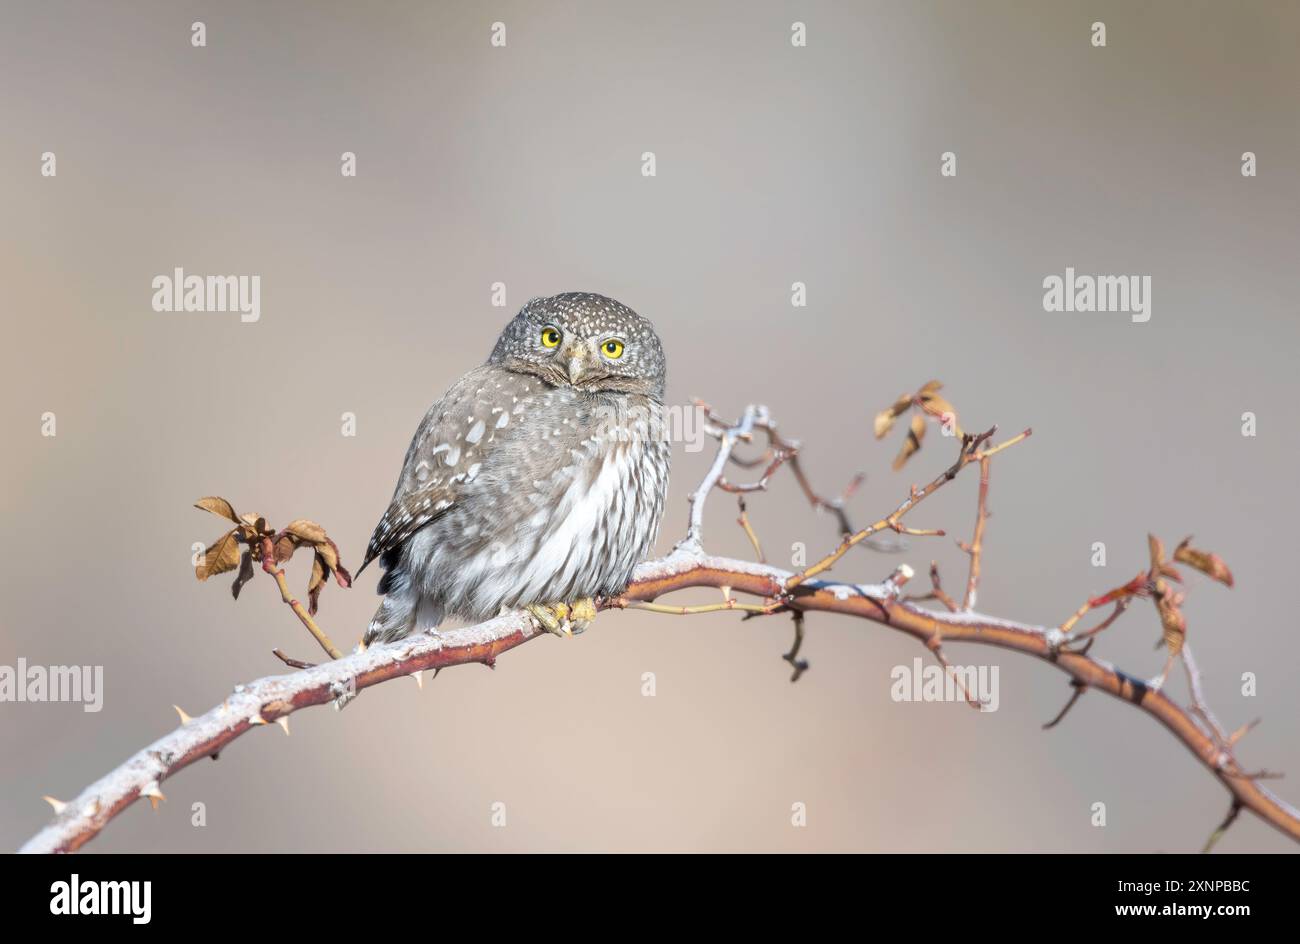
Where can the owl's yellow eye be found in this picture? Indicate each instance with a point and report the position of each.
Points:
(613, 349)
(550, 337)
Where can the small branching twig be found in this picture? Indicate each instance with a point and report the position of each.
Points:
(976, 545)
(971, 452)
(800, 666)
(1233, 812)
(936, 591)
(268, 566)
(743, 521)
(1079, 689)
(270, 547)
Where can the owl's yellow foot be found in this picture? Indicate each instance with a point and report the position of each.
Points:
(582, 613)
(564, 619)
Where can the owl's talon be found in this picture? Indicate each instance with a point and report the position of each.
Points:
(582, 613)
(549, 618)
(563, 619)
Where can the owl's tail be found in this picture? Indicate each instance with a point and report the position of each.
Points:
(394, 619)
(403, 611)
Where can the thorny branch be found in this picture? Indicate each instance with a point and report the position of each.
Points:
(338, 681)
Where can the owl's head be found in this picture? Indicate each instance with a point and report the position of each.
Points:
(585, 341)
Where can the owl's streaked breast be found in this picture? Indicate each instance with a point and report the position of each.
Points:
(565, 505)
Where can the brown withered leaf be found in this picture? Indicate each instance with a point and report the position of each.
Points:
(885, 418)
(328, 552)
(218, 506)
(253, 526)
(940, 409)
(1172, 622)
(295, 535)
(912, 444)
(314, 585)
(1156, 547)
(245, 573)
(1211, 565)
(221, 556)
(307, 532)
(283, 548)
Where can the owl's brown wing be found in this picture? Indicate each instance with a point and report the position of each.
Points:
(444, 456)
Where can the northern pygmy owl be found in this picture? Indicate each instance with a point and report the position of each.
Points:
(537, 481)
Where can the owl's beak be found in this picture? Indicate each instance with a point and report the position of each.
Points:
(575, 363)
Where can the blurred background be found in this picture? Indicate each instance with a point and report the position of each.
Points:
(775, 164)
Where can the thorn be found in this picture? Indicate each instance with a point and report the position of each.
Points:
(257, 719)
(418, 675)
(283, 721)
(59, 805)
(185, 719)
(726, 592)
(153, 793)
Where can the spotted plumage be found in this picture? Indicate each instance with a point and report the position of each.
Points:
(538, 479)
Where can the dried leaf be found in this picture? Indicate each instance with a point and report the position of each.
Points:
(885, 418)
(1209, 564)
(245, 573)
(254, 521)
(1156, 547)
(335, 563)
(329, 554)
(284, 548)
(218, 506)
(1172, 622)
(940, 409)
(912, 443)
(307, 532)
(221, 556)
(318, 575)
(929, 389)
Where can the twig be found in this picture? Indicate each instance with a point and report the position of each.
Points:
(1228, 820)
(268, 565)
(970, 453)
(290, 662)
(936, 591)
(743, 521)
(976, 545)
(935, 645)
(800, 665)
(1079, 689)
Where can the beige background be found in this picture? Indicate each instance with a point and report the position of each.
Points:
(522, 165)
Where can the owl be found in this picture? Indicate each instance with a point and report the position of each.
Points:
(537, 481)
